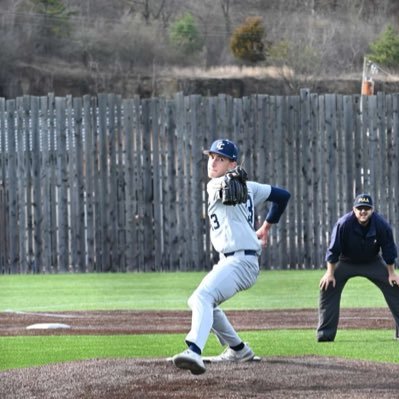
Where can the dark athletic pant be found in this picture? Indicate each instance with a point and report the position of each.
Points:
(329, 301)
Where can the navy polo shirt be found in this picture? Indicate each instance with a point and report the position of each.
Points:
(352, 242)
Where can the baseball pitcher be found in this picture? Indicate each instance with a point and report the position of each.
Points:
(232, 200)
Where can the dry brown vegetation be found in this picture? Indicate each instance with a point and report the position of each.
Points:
(123, 45)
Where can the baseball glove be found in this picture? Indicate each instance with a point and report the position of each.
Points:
(234, 186)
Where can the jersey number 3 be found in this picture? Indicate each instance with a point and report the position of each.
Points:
(214, 221)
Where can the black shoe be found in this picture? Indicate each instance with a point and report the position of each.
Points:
(323, 338)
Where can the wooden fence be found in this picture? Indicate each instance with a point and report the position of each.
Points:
(98, 184)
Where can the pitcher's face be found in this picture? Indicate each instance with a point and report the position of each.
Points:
(218, 165)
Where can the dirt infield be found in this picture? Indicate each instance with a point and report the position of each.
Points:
(141, 322)
(301, 377)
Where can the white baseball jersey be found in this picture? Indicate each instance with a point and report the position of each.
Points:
(233, 227)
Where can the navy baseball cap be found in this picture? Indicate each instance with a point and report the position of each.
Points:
(225, 148)
(363, 200)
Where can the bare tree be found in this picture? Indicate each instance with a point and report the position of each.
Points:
(149, 10)
(225, 7)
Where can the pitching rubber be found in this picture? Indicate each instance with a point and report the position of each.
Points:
(206, 360)
(209, 360)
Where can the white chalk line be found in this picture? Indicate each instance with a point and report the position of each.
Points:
(51, 315)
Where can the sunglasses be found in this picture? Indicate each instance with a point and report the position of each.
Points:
(363, 208)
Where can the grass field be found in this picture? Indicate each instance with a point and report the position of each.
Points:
(169, 291)
(152, 291)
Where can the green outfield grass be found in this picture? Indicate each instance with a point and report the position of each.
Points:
(160, 291)
(273, 290)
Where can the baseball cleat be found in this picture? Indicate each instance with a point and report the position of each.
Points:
(189, 360)
(229, 355)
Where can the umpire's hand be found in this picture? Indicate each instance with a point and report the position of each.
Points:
(326, 280)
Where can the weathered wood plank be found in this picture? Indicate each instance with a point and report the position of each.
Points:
(45, 182)
(77, 201)
(4, 264)
(89, 116)
(156, 182)
(37, 255)
(62, 185)
(146, 172)
(112, 187)
(23, 187)
(14, 260)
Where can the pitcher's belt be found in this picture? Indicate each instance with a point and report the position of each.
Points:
(246, 252)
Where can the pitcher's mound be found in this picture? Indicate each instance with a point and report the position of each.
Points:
(300, 378)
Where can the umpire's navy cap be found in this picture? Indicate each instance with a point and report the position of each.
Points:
(225, 148)
(363, 200)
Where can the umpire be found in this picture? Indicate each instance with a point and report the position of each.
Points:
(362, 245)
